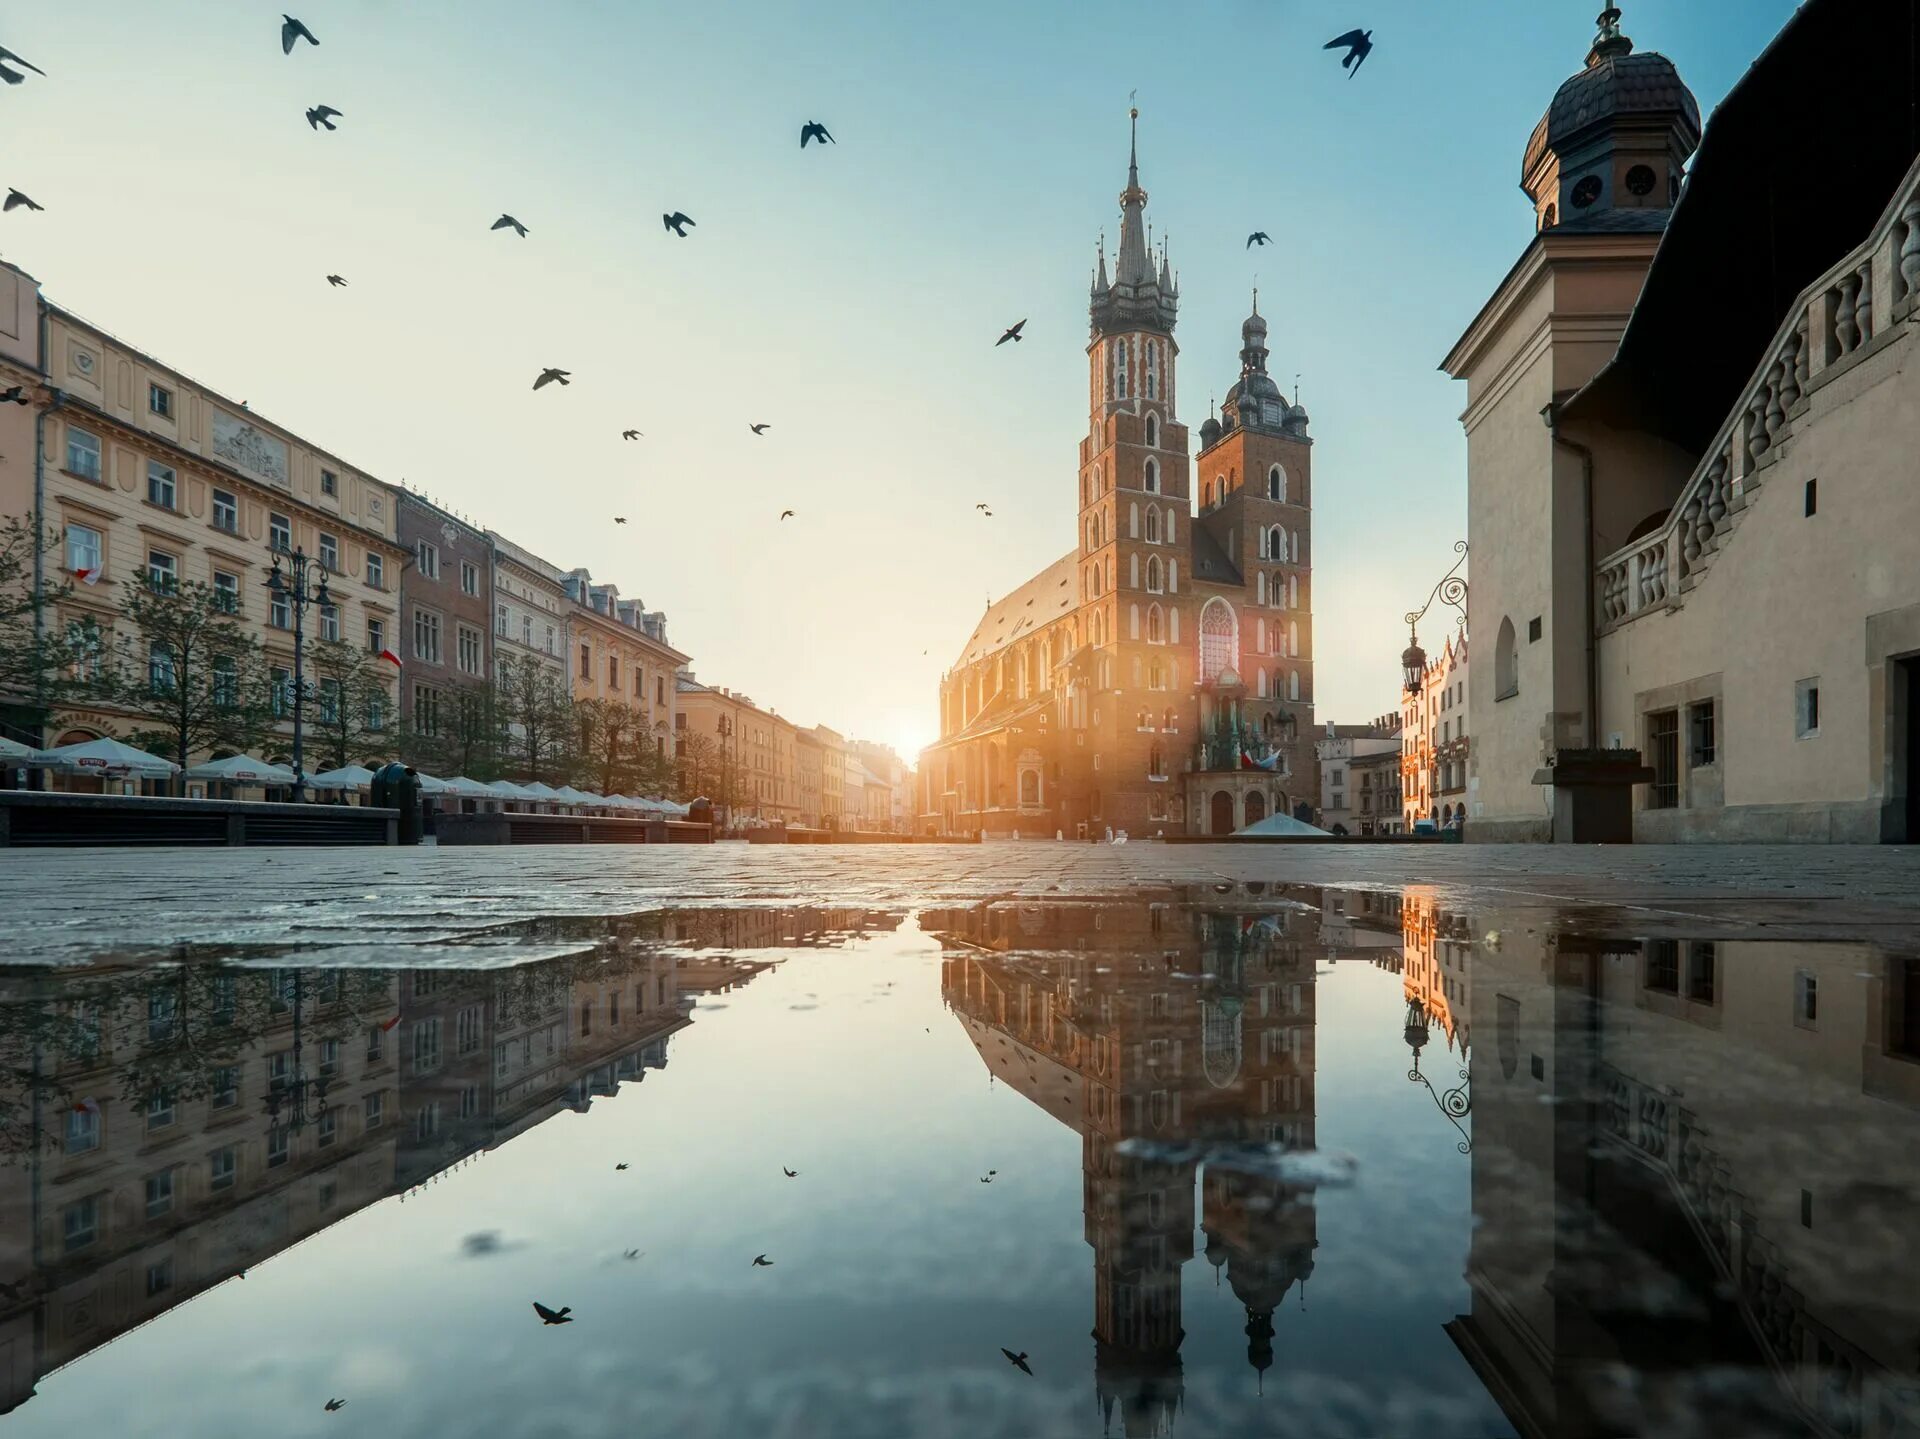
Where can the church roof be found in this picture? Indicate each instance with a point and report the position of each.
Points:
(1210, 562)
(1046, 597)
(1610, 86)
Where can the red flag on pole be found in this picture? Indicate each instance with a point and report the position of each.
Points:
(390, 657)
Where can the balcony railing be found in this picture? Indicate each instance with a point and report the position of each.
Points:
(1836, 316)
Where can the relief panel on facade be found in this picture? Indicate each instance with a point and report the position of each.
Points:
(248, 450)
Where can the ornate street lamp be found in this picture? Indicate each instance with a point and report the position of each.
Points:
(726, 770)
(1455, 1103)
(299, 594)
(1452, 590)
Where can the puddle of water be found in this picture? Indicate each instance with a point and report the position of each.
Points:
(1214, 1161)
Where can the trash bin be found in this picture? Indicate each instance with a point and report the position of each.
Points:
(407, 798)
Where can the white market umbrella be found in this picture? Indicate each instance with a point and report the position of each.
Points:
(469, 788)
(507, 789)
(13, 749)
(103, 756)
(352, 776)
(430, 785)
(537, 790)
(242, 769)
(567, 794)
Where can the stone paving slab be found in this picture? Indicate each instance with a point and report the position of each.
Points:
(69, 905)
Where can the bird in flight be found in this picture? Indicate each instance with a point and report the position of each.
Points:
(761, 428)
(553, 1316)
(1358, 44)
(790, 1173)
(335, 1404)
(548, 376)
(17, 394)
(814, 130)
(677, 222)
(786, 514)
(986, 1179)
(631, 1254)
(760, 1261)
(14, 77)
(631, 435)
(292, 30)
(1013, 333)
(982, 507)
(507, 222)
(336, 281)
(620, 1166)
(620, 520)
(320, 115)
(1259, 237)
(15, 200)
(1018, 1361)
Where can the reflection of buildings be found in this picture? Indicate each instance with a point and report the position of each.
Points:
(1695, 1175)
(1150, 1029)
(164, 1128)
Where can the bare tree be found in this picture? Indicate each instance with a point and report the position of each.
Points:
(351, 704)
(34, 659)
(538, 713)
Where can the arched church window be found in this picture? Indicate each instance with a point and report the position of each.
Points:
(1173, 625)
(1153, 434)
(1150, 474)
(1296, 547)
(1260, 683)
(1133, 520)
(1293, 638)
(1029, 786)
(1217, 639)
(1154, 632)
(1173, 571)
(1133, 571)
(1172, 538)
(1293, 592)
(1260, 587)
(1153, 573)
(1293, 684)
(1153, 372)
(1153, 525)
(1506, 662)
(1093, 534)
(1119, 369)
(1276, 483)
(1133, 622)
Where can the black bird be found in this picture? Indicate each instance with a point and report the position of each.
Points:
(318, 116)
(335, 281)
(1018, 1361)
(986, 1179)
(553, 1316)
(786, 514)
(620, 520)
(814, 130)
(333, 1404)
(761, 429)
(1259, 237)
(548, 376)
(18, 395)
(1358, 44)
(631, 435)
(992, 1172)
(15, 200)
(620, 1166)
(292, 30)
(677, 222)
(14, 77)
(631, 1254)
(790, 1173)
(982, 507)
(760, 1261)
(507, 222)
(1013, 333)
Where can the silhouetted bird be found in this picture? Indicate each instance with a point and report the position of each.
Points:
(14, 77)
(320, 115)
(980, 506)
(786, 514)
(630, 435)
(1358, 44)
(814, 130)
(292, 30)
(548, 376)
(18, 395)
(620, 520)
(761, 429)
(677, 222)
(760, 1261)
(335, 280)
(988, 1178)
(553, 1316)
(992, 1172)
(333, 1404)
(507, 222)
(1013, 333)
(1259, 237)
(1018, 1361)
(631, 1254)
(620, 1166)
(790, 1173)
(15, 200)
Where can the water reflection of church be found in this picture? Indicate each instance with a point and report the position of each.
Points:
(1151, 1029)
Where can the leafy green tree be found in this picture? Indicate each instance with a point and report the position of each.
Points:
(351, 711)
(468, 734)
(34, 675)
(538, 714)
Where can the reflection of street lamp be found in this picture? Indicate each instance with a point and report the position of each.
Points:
(293, 1091)
(1451, 590)
(1455, 1103)
(299, 595)
(726, 770)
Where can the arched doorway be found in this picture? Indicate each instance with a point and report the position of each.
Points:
(1222, 817)
(1256, 806)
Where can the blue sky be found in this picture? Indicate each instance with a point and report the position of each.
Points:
(848, 296)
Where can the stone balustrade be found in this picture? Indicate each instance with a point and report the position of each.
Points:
(1836, 318)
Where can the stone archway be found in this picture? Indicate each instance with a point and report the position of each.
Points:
(1221, 819)
(1256, 806)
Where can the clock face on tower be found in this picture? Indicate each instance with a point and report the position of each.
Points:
(1586, 191)
(1640, 180)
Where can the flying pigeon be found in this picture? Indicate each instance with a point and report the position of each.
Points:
(14, 77)
(620, 1166)
(1358, 44)
(790, 1173)
(988, 1178)
(760, 1261)
(548, 376)
(292, 30)
(507, 222)
(1013, 333)
(677, 222)
(620, 520)
(1018, 1361)
(982, 507)
(814, 130)
(335, 1404)
(17, 394)
(318, 116)
(631, 435)
(762, 428)
(631, 1254)
(786, 514)
(335, 281)
(1259, 237)
(553, 1316)
(15, 200)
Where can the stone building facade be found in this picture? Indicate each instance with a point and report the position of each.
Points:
(1157, 678)
(620, 652)
(1343, 751)
(446, 612)
(1707, 553)
(1435, 747)
(531, 609)
(756, 751)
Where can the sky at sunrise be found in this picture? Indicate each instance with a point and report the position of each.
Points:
(848, 296)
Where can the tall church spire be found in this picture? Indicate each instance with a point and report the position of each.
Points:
(1135, 267)
(1142, 295)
